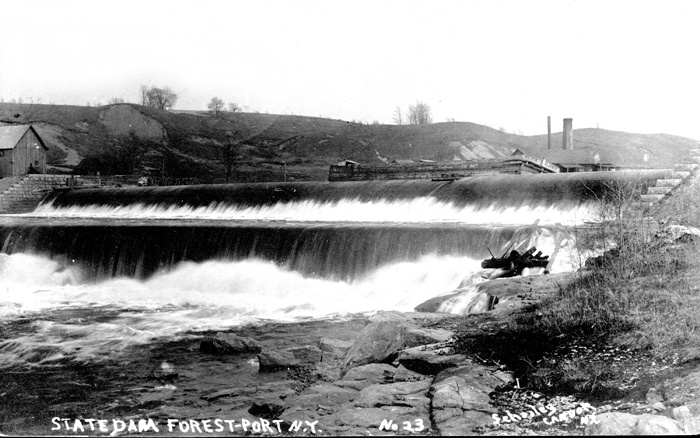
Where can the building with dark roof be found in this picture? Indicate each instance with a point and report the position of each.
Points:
(22, 151)
(572, 160)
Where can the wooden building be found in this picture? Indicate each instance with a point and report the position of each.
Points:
(22, 151)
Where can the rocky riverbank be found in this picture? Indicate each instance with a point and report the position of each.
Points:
(392, 373)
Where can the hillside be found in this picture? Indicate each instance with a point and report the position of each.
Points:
(190, 142)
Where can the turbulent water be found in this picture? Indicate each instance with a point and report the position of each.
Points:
(95, 271)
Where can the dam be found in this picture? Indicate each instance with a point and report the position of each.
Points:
(159, 262)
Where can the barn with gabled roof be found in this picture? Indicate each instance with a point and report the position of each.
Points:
(22, 151)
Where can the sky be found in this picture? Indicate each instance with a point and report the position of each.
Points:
(621, 65)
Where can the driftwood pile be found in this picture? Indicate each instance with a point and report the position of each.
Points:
(514, 263)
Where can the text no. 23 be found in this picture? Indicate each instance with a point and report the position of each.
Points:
(416, 426)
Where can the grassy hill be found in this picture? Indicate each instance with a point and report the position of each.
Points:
(190, 142)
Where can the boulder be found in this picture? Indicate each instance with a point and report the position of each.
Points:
(684, 390)
(274, 360)
(622, 423)
(228, 343)
(377, 342)
(673, 234)
(681, 412)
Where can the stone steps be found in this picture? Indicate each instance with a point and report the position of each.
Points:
(664, 187)
(659, 190)
(651, 198)
(669, 182)
(25, 195)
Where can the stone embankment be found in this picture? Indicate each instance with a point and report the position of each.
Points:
(663, 188)
(26, 192)
(23, 194)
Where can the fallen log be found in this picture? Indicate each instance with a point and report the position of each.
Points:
(514, 264)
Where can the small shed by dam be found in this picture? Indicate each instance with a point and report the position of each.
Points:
(22, 151)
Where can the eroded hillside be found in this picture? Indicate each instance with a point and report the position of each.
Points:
(276, 147)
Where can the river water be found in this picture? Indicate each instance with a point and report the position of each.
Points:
(94, 272)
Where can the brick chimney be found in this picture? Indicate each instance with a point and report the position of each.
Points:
(568, 135)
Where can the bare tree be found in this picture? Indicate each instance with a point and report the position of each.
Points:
(161, 98)
(115, 100)
(398, 115)
(419, 114)
(143, 90)
(233, 107)
(216, 105)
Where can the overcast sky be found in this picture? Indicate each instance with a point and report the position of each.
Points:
(626, 65)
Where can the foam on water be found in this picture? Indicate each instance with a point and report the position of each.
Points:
(213, 295)
(94, 320)
(423, 209)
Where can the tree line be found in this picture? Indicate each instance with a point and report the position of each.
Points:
(418, 114)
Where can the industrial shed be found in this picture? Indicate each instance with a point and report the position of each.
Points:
(22, 151)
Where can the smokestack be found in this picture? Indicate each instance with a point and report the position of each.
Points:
(568, 135)
(549, 132)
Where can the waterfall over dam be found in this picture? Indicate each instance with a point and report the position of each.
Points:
(167, 260)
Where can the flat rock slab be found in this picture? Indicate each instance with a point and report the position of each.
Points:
(460, 398)
(273, 391)
(228, 343)
(422, 336)
(275, 360)
(430, 362)
(377, 373)
(327, 397)
(407, 394)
